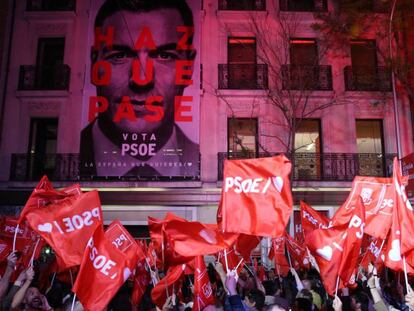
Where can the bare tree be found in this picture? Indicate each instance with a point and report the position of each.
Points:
(294, 92)
(351, 19)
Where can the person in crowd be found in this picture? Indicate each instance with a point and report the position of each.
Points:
(29, 298)
(4, 282)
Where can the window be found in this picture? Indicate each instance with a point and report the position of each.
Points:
(49, 64)
(369, 136)
(42, 147)
(304, 73)
(303, 5)
(242, 5)
(242, 137)
(308, 150)
(242, 63)
(370, 146)
(364, 64)
(303, 52)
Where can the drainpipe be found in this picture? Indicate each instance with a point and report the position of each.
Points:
(394, 91)
(6, 60)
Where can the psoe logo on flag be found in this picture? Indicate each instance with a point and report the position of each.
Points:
(207, 291)
(252, 185)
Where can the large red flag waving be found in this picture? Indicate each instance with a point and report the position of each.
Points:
(400, 240)
(68, 224)
(192, 238)
(377, 195)
(160, 243)
(336, 250)
(44, 194)
(256, 196)
(103, 270)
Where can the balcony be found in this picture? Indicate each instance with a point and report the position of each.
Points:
(325, 166)
(300, 77)
(366, 78)
(51, 5)
(65, 167)
(242, 5)
(303, 5)
(34, 78)
(242, 76)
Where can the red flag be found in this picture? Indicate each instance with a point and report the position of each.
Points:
(233, 260)
(192, 238)
(28, 243)
(311, 219)
(122, 239)
(377, 195)
(203, 293)
(245, 244)
(277, 252)
(142, 279)
(352, 246)
(103, 270)
(44, 194)
(373, 254)
(68, 225)
(332, 247)
(400, 240)
(162, 245)
(298, 253)
(167, 286)
(256, 196)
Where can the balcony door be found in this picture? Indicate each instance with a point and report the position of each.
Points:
(242, 63)
(370, 147)
(364, 64)
(242, 138)
(42, 147)
(308, 147)
(304, 60)
(50, 55)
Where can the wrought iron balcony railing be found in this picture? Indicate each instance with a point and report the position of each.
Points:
(303, 5)
(51, 5)
(65, 167)
(33, 77)
(242, 5)
(242, 76)
(366, 78)
(300, 77)
(325, 166)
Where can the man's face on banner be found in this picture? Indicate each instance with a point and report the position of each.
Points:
(127, 28)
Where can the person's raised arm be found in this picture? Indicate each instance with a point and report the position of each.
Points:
(373, 283)
(4, 282)
(18, 298)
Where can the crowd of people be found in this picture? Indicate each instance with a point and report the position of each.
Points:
(246, 290)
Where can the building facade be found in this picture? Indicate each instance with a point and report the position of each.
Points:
(270, 82)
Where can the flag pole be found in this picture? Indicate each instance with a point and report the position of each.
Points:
(225, 260)
(15, 237)
(405, 275)
(34, 253)
(288, 255)
(73, 302)
(337, 285)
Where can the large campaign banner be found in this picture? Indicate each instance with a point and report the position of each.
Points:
(140, 113)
